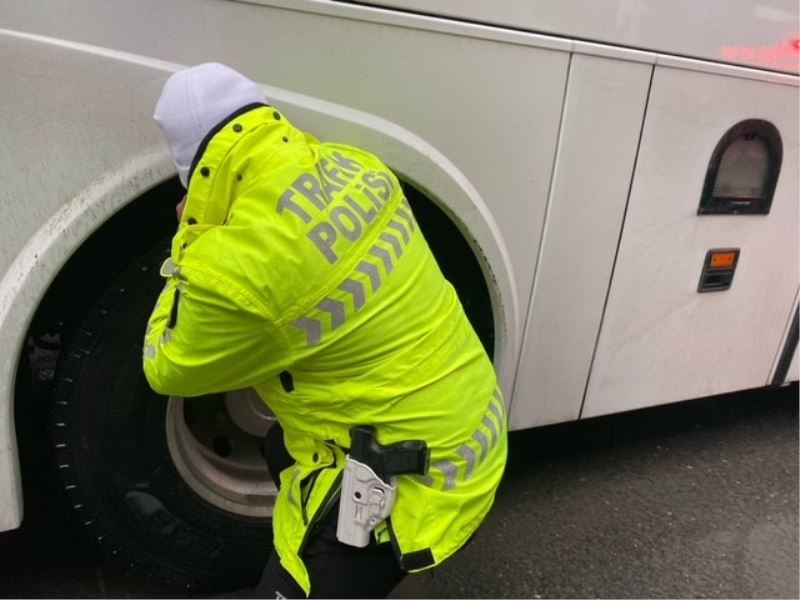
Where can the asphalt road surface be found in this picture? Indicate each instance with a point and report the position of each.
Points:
(692, 500)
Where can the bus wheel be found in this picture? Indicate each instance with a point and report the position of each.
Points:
(167, 488)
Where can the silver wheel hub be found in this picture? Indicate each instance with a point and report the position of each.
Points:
(215, 443)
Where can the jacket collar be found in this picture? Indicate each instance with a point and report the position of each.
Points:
(214, 131)
(210, 191)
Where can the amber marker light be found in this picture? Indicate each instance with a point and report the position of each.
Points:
(723, 260)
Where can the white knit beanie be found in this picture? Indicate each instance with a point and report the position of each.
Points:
(196, 100)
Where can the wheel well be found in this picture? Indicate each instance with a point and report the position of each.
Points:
(457, 261)
(112, 247)
(120, 241)
(150, 218)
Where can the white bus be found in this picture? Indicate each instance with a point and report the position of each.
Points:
(612, 186)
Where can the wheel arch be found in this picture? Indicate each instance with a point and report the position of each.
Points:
(28, 285)
(36, 278)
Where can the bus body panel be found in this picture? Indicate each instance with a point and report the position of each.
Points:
(472, 115)
(502, 100)
(600, 129)
(85, 145)
(68, 117)
(661, 340)
(759, 34)
(69, 162)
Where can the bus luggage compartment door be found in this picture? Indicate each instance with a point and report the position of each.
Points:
(662, 339)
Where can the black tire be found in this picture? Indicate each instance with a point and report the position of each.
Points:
(112, 460)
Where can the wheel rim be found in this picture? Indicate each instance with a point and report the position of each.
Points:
(215, 443)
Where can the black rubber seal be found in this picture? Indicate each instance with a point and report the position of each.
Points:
(789, 349)
(761, 205)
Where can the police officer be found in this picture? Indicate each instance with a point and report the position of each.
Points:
(298, 269)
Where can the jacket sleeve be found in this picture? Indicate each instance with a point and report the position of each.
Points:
(207, 335)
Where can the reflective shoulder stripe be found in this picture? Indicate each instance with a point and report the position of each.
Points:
(168, 268)
(290, 494)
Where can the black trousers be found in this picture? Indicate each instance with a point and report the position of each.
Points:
(336, 570)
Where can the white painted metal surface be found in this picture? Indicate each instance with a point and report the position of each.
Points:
(472, 99)
(760, 34)
(85, 192)
(469, 113)
(48, 161)
(80, 151)
(661, 341)
(601, 124)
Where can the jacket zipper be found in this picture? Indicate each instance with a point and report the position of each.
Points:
(305, 492)
(327, 503)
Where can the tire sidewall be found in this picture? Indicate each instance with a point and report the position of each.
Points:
(111, 455)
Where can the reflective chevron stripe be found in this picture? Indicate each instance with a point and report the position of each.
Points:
(425, 480)
(407, 215)
(356, 289)
(480, 437)
(372, 272)
(398, 226)
(384, 255)
(500, 406)
(335, 310)
(393, 242)
(487, 421)
(467, 454)
(449, 470)
(498, 409)
(496, 412)
(313, 329)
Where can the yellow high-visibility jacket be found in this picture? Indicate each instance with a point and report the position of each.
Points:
(302, 257)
